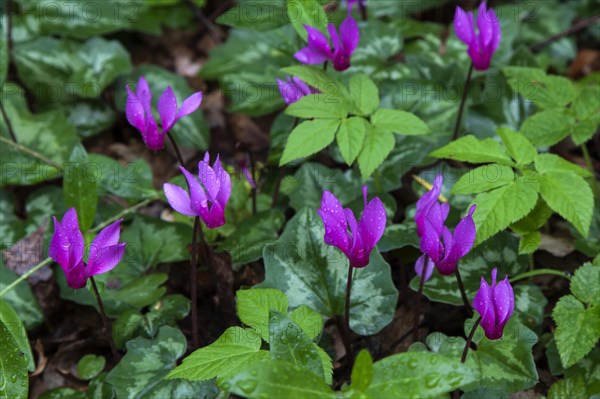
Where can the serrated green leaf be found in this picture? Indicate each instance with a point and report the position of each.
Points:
(254, 306)
(399, 122)
(306, 12)
(534, 219)
(418, 374)
(376, 147)
(308, 138)
(548, 163)
(11, 321)
(365, 93)
(484, 178)
(80, 189)
(546, 91)
(517, 146)
(317, 105)
(90, 366)
(585, 283)
(312, 273)
(571, 387)
(497, 209)
(350, 138)
(558, 190)
(530, 242)
(262, 16)
(471, 149)
(362, 371)
(278, 379)
(577, 329)
(232, 353)
(309, 321)
(326, 363)
(289, 343)
(548, 127)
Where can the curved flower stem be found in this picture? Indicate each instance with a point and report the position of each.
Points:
(346, 330)
(419, 297)
(539, 272)
(463, 358)
(177, 152)
(106, 321)
(194, 283)
(463, 100)
(463, 293)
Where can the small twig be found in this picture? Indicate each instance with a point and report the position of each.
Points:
(463, 100)
(177, 152)
(577, 27)
(106, 321)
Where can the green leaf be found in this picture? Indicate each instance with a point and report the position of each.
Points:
(80, 189)
(364, 93)
(497, 209)
(248, 240)
(20, 298)
(577, 329)
(289, 343)
(236, 350)
(399, 122)
(317, 78)
(362, 371)
(152, 241)
(544, 90)
(254, 306)
(90, 117)
(132, 181)
(90, 366)
(260, 16)
(376, 147)
(278, 379)
(149, 360)
(549, 163)
(484, 178)
(55, 70)
(350, 138)
(530, 303)
(517, 146)
(584, 284)
(308, 138)
(48, 134)
(419, 374)
(548, 127)
(63, 393)
(534, 219)
(192, 130)
(530, 242)
(13, 366)
(312, 273)
(398, 236)
(165, 311)
(473, 150)
(557, 190)
(317, 106)
(308, 320)
(3, 47)
(306, 12)
(572, 387)
(13, 325)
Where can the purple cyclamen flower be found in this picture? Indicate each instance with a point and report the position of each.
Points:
(318, 50)
(207, 198)
(67, 248)
(293, 89)
(495, 304)
(139, 112)
(442, 247)
(357, 243)
(481, 46)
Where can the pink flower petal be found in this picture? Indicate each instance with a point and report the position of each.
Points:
(167, 109)
(179, 199)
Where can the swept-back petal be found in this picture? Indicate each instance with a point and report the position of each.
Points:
(189, 105)
(504, 301)
(144, 94)
(372, 223)
(135, 111)
(198, 200)
(425, 202)
(317, 40)
(209, 180)
(431, 242)
(301, 85)
(461, 241)
(349, 35)
(482, 303)
(105, 259)
(179, 199)
(496, 32)
(336, 232)
(485, 27)
(310, 56)
(424, 261)
(167, 109)
(70, 226)
(463, 26)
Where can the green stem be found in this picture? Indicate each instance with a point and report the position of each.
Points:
(31, 153)
(48, 261)
(176, 148)
(463, 293)
(539, 272)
